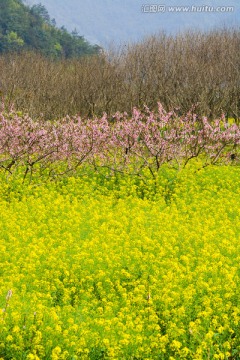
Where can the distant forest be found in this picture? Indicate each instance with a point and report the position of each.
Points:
(24, 28)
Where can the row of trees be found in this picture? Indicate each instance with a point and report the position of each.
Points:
(144, 140)
(192, 68)
(30, 28)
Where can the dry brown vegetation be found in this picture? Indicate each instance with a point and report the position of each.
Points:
(200, 69)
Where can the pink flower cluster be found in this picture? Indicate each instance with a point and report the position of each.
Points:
(144, 139)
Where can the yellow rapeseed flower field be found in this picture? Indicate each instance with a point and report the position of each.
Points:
(118, 268)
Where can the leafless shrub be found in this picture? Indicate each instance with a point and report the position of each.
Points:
(194, 68)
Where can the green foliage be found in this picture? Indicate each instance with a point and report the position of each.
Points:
(30, 28)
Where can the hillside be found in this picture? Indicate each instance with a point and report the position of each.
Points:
(122, 21)
(25, 27)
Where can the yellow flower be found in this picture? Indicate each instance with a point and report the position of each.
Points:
(9, 338)
(56, 353)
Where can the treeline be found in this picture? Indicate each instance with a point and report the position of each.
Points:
(200, 69)
(30, 28)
